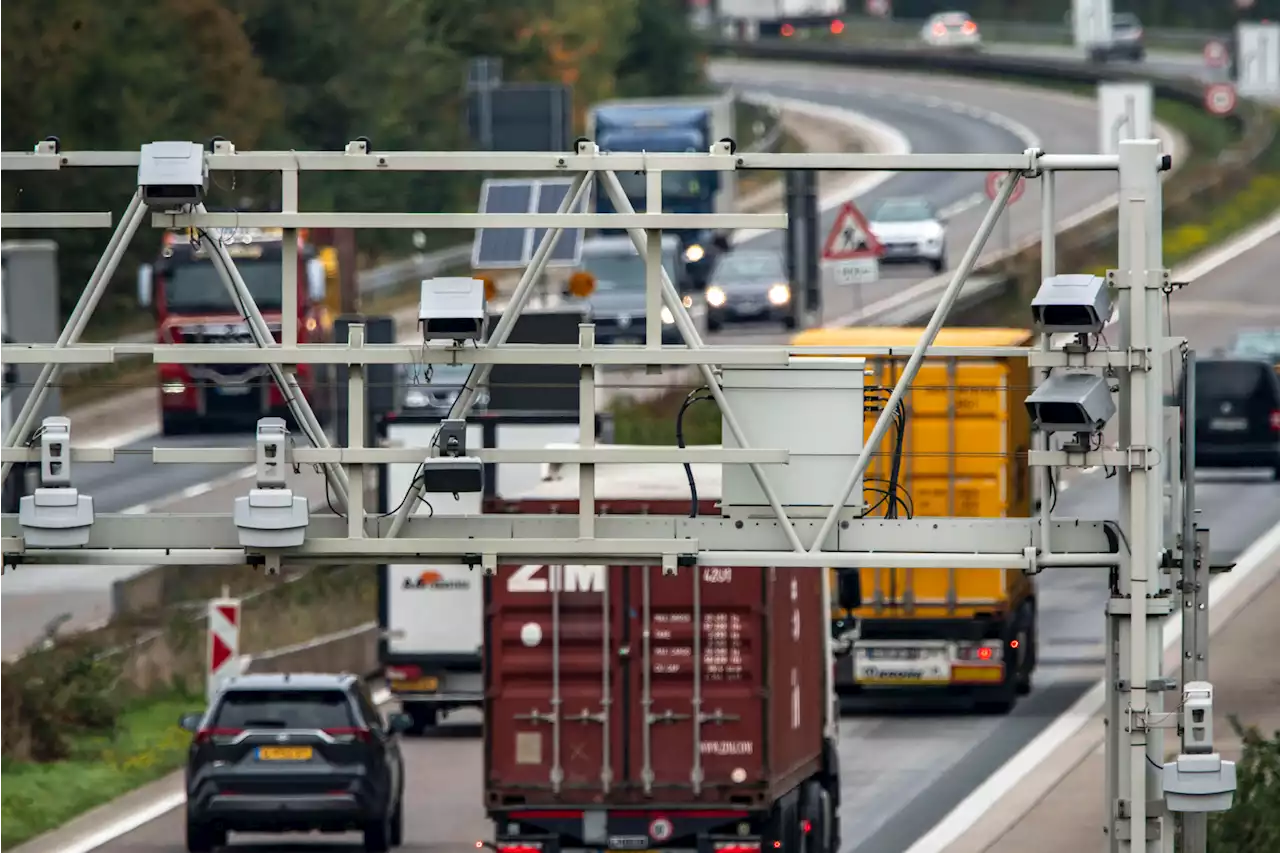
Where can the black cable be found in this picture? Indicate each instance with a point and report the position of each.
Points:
(688, 469)
(895, 468)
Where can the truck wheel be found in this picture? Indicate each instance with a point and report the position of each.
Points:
(1027, 638)
(815, 810)
(424, 717)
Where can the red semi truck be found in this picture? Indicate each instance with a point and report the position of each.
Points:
(631, 710)
(192, 306)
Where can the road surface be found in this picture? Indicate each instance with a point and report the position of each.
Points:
(903, 773)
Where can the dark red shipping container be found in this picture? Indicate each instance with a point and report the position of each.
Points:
(702, 690)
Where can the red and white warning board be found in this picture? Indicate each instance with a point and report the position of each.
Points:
(224, 643)
(851, 249)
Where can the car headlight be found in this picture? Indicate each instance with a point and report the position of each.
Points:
(173, 387)
(686, 301)
(694, 253)
(779, 294)
(667, 317)
(715, 296)
(415, 399)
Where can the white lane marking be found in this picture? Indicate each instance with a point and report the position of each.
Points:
(983, 798)
(192, 491)
(152, 811)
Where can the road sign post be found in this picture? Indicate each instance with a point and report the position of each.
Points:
(223, 660)
(851, 251)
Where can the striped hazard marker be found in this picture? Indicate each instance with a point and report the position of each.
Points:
(224, 642)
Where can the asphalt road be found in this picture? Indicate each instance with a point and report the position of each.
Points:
(900, 772)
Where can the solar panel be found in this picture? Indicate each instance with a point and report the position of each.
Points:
(511, 248)
(568, 248)
(502, 248)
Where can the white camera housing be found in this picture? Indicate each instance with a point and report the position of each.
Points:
(1071, 402)
(1080, 304)
(55, 515)
(272, 456)
(55, 452)
(1198, 780)
(172, 174)
(272, 518)
(452, 309)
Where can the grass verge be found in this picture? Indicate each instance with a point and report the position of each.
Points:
(145, 744)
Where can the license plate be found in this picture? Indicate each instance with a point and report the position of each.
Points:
(902, 666)
(426, 684)
(233, 390)
(1229, 424)
(284, 753)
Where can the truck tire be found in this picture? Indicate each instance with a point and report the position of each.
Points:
(396, 836)
(1028, 637)
(815, 807)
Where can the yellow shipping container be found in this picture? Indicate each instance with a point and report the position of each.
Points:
(964, 455)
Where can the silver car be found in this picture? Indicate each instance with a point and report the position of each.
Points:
(910, 231)
(432, 389)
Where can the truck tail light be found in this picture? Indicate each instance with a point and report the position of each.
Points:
(403, 673)
(211, 734)
(788, 30)
(523, 847)
(837, 27)
(741, 846)
(980, 653)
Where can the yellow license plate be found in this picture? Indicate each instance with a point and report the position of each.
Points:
(979, 674)
(284, 753)
(426, 684)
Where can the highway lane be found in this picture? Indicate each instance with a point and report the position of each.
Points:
(880, 754)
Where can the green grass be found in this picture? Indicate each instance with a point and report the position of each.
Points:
(147, 745)
(654, 421)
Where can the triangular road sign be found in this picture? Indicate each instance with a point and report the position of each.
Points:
(850, 237)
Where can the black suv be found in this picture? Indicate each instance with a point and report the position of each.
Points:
(294, 753)
(1237, 414)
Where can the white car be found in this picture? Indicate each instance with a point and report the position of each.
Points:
(951, 30)
(910, 232)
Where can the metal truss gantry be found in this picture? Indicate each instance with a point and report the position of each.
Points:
(1136, 548)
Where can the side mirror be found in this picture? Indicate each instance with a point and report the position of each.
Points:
(190, 722)
(316, 280)
(145, 275)
(399, 722)
(848, 589)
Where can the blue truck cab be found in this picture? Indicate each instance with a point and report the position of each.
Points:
(666, 129)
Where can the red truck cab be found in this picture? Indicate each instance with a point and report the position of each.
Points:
(192, 305)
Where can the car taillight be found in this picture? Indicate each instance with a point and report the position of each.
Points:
(353, 733)
(207, 735)
(969, 28)
(837, 27)
(939, 30)
(1275, 421)
(788, 30)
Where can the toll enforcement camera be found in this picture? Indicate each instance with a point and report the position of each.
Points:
(271, 516)
(172, 174)
(452, 309)
(453, 471)
(1071, 402)
(1198, 780)
(56, 515)
(1080, 304)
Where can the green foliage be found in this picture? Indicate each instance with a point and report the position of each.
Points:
(1253, 822)
(311, 74)
(144, 745)
(654, 421)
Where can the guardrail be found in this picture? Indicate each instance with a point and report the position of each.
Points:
(865, 27)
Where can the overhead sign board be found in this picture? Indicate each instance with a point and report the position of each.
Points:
(1258, 69)
(1124, 112)
(851, 250)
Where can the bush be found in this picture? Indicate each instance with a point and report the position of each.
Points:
(1253, 823)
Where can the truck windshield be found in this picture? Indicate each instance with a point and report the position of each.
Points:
(624, 272)
(196, 286)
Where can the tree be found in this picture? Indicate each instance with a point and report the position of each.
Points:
(115, 76)
(663, 55)
(1252, 824)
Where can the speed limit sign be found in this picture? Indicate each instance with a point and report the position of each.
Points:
(1215, 54)
(878, 8)
(1220, 98)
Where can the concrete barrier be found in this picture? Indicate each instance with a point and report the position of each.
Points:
(353, 650)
